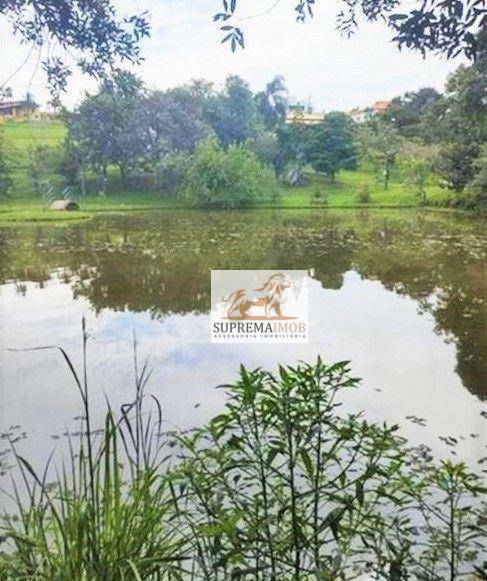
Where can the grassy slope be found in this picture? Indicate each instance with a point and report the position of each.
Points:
(22, 205)
(26, 133)
(19, 137)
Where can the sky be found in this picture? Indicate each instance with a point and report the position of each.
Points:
(315, 60)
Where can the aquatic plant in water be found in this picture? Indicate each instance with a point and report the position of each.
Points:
(281, 485)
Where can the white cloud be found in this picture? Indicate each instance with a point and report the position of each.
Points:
(315, 60)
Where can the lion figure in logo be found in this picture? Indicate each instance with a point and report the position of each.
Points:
(269, 296)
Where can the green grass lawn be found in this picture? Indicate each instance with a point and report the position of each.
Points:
(30, 208)
(343, 192)
(23, 134)
(22, 205)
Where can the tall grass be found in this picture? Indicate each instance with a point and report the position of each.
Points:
(280, 485)
(104, 514)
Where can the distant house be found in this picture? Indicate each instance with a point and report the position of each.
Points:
(304, 117)
(360, 115)
(303, 113)
(17, 110)
(363, 115)
(381, 107)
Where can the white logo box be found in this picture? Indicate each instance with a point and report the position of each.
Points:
(259, 306)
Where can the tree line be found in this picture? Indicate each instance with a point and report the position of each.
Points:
(450, 129)
(228, 147)
(220, 148)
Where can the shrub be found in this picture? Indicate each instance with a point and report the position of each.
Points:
(170, 171)
(475, 194)
(282, 479)
(43, 160)
(295, 177)
(5, 169)
(265, 146)
(363, 195)
(226, 178)
(284, 486)
(319, 197)
(455, 164)
(71, 165)
(380, 143)
(416, 171)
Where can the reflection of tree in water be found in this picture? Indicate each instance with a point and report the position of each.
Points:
(445, 271)
(327, 250)
(22, 259)
(160, 263)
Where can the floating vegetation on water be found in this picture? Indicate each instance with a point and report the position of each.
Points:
(160, 262)
(282, 484)
(418, 421)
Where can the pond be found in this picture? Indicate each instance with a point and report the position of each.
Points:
(402, 294)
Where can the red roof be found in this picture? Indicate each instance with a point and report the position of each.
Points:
(381, 106)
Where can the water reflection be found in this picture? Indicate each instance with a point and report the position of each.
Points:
(159, 263)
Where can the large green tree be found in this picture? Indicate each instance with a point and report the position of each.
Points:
(462, 121)
(272, 102)
(380, 142)
(408, 110)
(126, 126)
(456, 164)
(291, 138)
(460, 115)
(167, 122)
(104, 129)
(233, 113)
(331, 146)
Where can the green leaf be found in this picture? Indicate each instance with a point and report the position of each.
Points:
(307, 463)
(359, 491)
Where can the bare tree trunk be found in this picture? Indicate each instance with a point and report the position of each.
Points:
(122, 174)
(82, 183)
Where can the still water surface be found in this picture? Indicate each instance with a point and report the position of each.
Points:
(402, 294)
